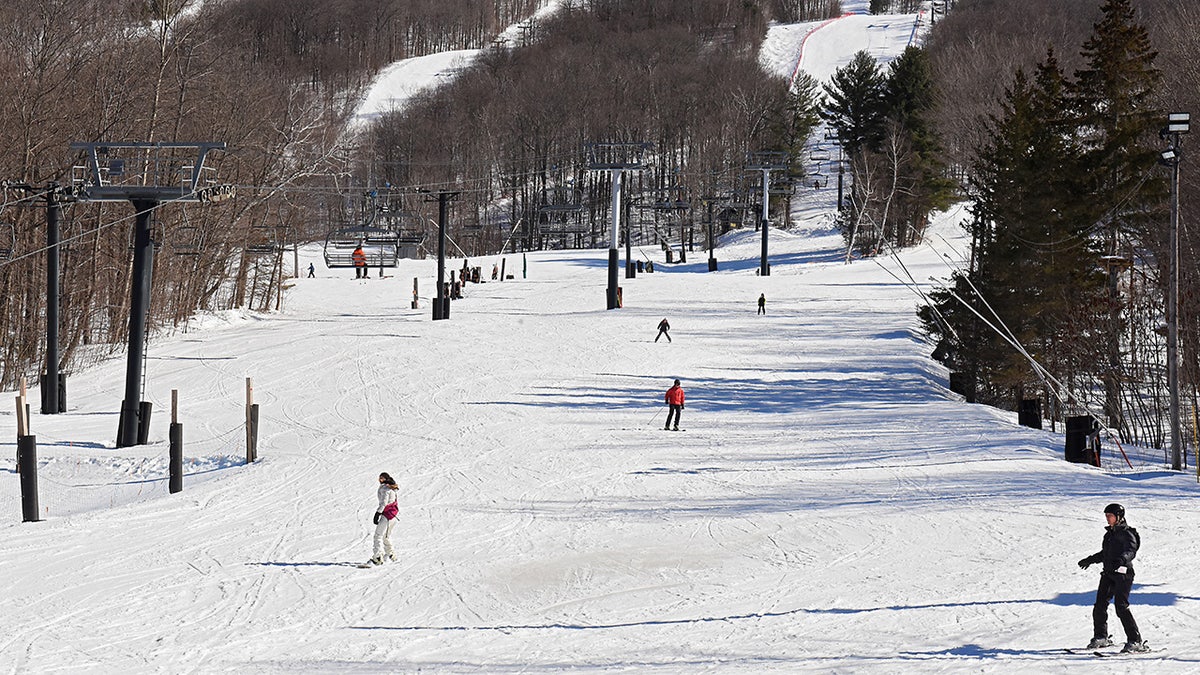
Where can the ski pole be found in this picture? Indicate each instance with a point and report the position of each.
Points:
(655, 416)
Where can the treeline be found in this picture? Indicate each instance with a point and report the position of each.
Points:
(683, 77)
(273, 80)
(1069, 252)
(339, 42)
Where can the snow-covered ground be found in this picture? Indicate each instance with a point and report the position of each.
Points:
(830, 507)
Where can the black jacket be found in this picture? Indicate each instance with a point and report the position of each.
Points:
(1119, 548)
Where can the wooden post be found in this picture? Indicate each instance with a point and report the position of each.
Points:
(22, 422)
(249, 425)
(23, 411)
(414, 302)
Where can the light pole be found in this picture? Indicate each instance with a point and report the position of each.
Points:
(1177, 124)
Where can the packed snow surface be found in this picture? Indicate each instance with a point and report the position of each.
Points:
(831, 506)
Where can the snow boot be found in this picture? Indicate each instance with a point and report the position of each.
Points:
(1135, 647)
(1099, 642)
(375, 560)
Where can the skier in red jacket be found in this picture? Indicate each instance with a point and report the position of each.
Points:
(674, 398)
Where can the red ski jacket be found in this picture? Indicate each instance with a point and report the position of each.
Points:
(674, 395)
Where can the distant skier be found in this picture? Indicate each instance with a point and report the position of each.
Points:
(495, 271)
(1117, 552)
(674, 398)
(762, 303)
(359, 256)
(312, 271)
(385, 519)
(664, 328)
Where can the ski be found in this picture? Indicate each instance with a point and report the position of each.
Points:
(1112, 654)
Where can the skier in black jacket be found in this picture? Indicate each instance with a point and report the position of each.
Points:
(1117, 552)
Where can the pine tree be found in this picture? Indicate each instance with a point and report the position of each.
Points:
(1035, 264)
(909, 101)
(1113, 103)
(854, 103)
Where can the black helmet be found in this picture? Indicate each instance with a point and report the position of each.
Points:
(1115, 509)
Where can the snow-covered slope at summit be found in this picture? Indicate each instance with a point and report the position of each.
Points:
(831, 507)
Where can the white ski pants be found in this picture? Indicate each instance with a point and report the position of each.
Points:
(383, 537)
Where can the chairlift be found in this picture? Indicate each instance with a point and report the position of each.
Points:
(405, 224)
(782, 186)
(818, 180)
(382, 246)
(262, 241)
(819, 155)
(561, 199)
(187, 238)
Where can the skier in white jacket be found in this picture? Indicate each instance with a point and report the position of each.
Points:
(385, 518)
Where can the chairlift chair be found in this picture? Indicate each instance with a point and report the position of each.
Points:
(187, 239)
(263, 241)
(381, 245)
(819, 155)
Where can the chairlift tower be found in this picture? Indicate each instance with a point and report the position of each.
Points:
(766, 162)
(616, 159)
(146, 175)
(441, 304)
(53, 398)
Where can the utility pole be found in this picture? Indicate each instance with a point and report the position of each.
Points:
(766, 162)
(1177, 124)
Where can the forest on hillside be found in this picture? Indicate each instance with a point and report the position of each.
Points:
(273, 79)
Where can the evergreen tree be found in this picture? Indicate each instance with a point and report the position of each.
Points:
(909, 101)
(1035, 264)
(854, 103)
(799, 115)
(1113, 103)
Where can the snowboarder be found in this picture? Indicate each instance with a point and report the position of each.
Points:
(1117, 552)
(312, 271)
(762, 303)
(663, 329)
(674, 398)
(359, 256)
(385, 519)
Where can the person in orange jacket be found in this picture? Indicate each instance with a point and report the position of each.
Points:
(674, 398)
(360, 263)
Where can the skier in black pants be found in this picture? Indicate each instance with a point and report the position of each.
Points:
(663, 329)
(762, 303)
(674, 398)
(1117, 552)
